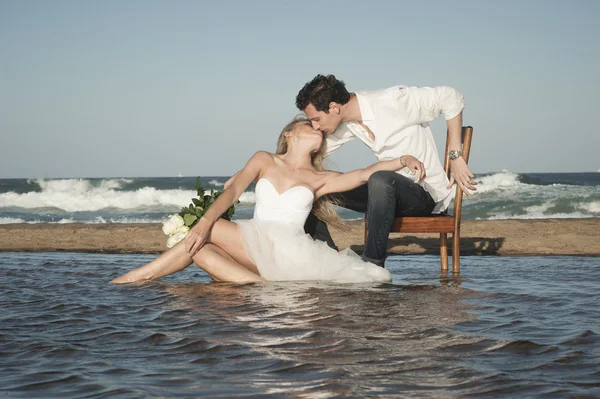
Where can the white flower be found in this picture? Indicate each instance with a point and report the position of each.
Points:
(177, 236)
(171, 225)
(182, 230)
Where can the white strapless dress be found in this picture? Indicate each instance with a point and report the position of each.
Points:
(277, 244)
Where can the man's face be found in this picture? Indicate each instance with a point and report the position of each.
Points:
(325, 122)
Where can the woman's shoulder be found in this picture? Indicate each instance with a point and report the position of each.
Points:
(263, 156)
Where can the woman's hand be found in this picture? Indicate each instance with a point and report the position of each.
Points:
(197, 236)
(415, 166)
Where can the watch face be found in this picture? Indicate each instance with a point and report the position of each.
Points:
(453, 154)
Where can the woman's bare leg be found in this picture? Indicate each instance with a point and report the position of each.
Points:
(224, 234)
(222, 267)
(170, 261)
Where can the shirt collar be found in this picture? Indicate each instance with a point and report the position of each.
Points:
(366, 112)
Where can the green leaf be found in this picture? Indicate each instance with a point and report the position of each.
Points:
(189, 219)
(200, 192)
(197, 202)
(198, 186)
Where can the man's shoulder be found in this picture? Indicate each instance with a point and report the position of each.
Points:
(380, 92)
(342, 131)
(383, 98)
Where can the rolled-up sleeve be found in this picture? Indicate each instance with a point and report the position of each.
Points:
(424, 104)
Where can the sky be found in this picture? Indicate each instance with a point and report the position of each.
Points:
(164, 88)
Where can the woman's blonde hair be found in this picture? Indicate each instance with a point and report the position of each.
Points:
(323, 207)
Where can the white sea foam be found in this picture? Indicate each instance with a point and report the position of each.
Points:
(498, 181)
(216, 183)
(96, 220)
(79, 195)
(135, 220)
(101, 220)
(540, 215)
(65, 221)
(111, 201)
(592, 207)
(248, 197)
(11, 220)
(77, 185)
(540, 209)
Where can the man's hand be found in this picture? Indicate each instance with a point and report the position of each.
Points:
(415, 166)
(460, 173)
(197, 236)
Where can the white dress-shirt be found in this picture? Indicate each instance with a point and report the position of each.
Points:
(398, 117)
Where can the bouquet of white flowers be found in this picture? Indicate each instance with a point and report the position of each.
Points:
(180, 224)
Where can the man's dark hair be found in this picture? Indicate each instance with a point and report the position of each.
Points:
(321, 91)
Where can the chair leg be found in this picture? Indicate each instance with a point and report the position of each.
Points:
(444, 251)
(456, 251)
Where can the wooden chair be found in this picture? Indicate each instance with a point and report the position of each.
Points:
(442, 223)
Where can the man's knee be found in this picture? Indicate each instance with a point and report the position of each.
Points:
(381, 182)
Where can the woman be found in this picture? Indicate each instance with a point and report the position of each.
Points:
(272, 246)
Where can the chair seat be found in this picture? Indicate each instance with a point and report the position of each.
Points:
(424, 224)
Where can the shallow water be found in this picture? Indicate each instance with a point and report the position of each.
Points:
(513, 327)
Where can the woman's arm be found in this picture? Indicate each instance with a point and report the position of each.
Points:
(230, 180)
(199, 233)
(339, 182)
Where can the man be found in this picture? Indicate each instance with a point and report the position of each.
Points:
(392, 122)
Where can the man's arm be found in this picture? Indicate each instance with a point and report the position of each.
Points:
(424, 104)
(459, 171)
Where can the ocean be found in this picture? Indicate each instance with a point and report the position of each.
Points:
(510, 327)
(501, 195)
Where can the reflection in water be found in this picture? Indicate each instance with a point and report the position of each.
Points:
(504, 330)
(351, 332)
(450, 279)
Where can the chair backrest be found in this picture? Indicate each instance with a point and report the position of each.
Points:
(467, 134)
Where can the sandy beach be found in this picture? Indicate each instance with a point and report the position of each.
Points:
(479, 237)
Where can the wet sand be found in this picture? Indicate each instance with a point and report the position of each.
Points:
(479, 237)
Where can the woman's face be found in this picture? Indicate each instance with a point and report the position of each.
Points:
(306, 132)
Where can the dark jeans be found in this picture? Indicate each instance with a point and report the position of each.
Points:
(385, 196)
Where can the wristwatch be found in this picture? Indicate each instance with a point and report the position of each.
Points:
(453, 154)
